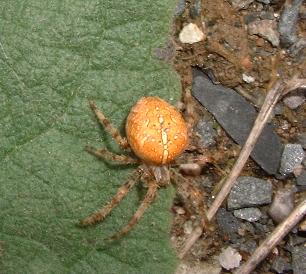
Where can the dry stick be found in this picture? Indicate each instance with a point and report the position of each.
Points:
(266, 109)
(275, 237)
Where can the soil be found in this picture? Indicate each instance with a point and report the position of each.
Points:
(227, 52)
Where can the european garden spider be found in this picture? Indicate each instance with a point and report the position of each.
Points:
(156, 135)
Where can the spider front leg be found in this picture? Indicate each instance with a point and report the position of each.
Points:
(121, 193)
(148, 199)
(122, 142)
(106, 154)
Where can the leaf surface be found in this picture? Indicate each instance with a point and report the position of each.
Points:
(54, 57)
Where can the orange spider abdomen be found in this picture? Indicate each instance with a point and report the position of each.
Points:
(156, 131)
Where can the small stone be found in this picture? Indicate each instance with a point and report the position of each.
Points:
(188, 227)
(206, 132)
(192, 169)
(179, 210)
(282, 204)
(293, 155)
(241, 4)
(301, 180)
(180, 8)
(250, 214)
(229, 258)
(280, 265)
(298, 259)
(195, 9)
(248, 79)
(294, 101)
(265, 29)
(288, 21)
(227, 223)
(249, 192)
(191, 34)
(278, 109)
(301, 139)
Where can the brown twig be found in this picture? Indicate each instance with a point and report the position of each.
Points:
(274, 238)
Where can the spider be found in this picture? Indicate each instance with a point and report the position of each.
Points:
(157, 135)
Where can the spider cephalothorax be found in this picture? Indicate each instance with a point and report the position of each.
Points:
(156, 135)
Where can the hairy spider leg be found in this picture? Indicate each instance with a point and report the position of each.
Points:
(106, 154)
(190, 115)
(195, 197)
(148, 199)
(122, 142)
(121, 193)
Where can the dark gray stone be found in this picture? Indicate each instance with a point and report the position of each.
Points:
(249, 192)
(287, 23)
(180, 8)
(302, 140)
(292, 156)
(227, 223)
(301, 180)
(195, 9)
(298, 259)
(248, 246)
(237, 116)
(207, 133)
(250, 214)
(280, 265)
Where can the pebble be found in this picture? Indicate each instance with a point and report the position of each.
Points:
(241, 4)
(236, 115)
(229, 258)
(249, 214)
(248, 246)
(227, 223)
(249, 192)
(301, 179)
(282, 204)
(248, 79)
(211, 267)
(188, 227)
(298, 259)
(180, 8)
(293, 155)
(265, 29)
(191, 34)
(280, 265)
(206, 132)
(192, 169)
(287, 23)
(294, 101)
(195, 9)
(301, 139)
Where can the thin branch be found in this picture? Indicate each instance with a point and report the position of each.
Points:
(274, 238)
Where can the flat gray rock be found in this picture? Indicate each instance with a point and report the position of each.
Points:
(298, 259)
(250, 214)
(237, 117)
(249, 192)
(292, 157)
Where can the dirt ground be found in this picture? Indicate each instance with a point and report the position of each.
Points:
(227, 52)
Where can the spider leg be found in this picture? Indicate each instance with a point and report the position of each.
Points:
(148, 199)
(194, 195)
(106, 154)
(106, 210)
(190, 115)
(122, 142)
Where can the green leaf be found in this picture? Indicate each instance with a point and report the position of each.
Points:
(54, 57)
